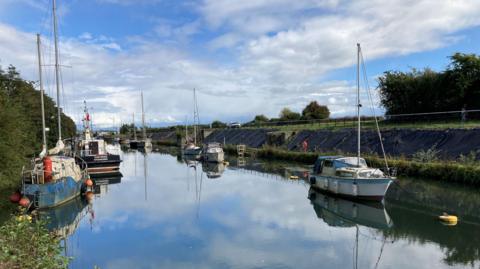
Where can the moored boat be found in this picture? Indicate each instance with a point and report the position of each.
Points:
(190, 148)
(213, 152)
(53, 178)
(93, 151)
(350, 176)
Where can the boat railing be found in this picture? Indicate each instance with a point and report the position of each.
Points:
(34, 176)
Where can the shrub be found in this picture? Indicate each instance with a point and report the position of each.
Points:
(29, 245)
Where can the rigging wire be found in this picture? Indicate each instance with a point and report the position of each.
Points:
(373, 110)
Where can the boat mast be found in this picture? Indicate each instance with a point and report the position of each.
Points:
(358, 104)
(143, 121)
(42, 92)
(57, 71)
(134, 131)
(194, 117)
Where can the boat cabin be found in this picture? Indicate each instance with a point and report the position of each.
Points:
(93, 147)
(328, 165)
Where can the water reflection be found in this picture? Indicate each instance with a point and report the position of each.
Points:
(63, 220)
(340, 212)
(213, 170)
(256, 217)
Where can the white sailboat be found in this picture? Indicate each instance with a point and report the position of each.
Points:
(53, 178)
(145, 142)
(191, 148)
(350, 176)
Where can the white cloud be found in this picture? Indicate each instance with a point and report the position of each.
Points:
(278, 55)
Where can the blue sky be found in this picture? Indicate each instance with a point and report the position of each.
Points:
(244, 57)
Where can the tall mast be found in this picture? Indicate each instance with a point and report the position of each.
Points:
(42, 92)
(57, 71)
(143, 120)
(134, 131)
(358, 103)
(194, 117)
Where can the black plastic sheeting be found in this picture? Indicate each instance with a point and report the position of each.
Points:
(164, 136)
(450, 143)
(254, 138)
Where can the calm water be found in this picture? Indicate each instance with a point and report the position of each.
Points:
(165, 213)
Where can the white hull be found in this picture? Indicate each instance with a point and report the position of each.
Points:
(369, 189)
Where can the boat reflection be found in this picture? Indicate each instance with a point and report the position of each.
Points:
(63, 220)
(101, 183)
(340, 212)
(213, 170)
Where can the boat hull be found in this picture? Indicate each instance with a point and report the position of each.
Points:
(140, 144)
(192, 151)
(363, 189)
(102, 164)
(53, 194)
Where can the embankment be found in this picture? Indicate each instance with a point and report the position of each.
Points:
(400, 145)
(450, 143)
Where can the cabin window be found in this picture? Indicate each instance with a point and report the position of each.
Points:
(93, 146)
(328, 163)
(318, 167)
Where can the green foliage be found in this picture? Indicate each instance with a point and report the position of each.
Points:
(21, 125)
(126, 128)
(24, 244)
(426, 91)
(218, 124)
(286, 115)
(470, 158)
(260, 119)
(429, 155)
(315, 111)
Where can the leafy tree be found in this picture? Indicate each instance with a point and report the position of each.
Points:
(286, 115)
(260, 118)
(429, 91)
(126, 128)
(315, 111)
(21, 125)
(218, 124)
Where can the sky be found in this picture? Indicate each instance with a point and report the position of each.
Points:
(244, 57)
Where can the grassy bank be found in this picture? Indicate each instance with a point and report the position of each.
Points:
(337, 124)
(441, 170)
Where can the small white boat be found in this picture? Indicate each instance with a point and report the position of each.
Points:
(343, 176)
(350, 176)
(213, 152)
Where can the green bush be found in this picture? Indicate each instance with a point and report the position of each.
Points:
(25, 244)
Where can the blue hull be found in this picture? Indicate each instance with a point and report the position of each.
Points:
(53, 194)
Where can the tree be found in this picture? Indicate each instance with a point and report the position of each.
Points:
(260, 119)
(430, 91)
(315, 111)
(286, 115)
(218, 124)
(21, 127)
(126, 128)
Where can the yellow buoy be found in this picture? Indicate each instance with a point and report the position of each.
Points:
(293, 177)
(449, 219)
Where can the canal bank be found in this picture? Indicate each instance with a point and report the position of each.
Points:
(447, 171)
